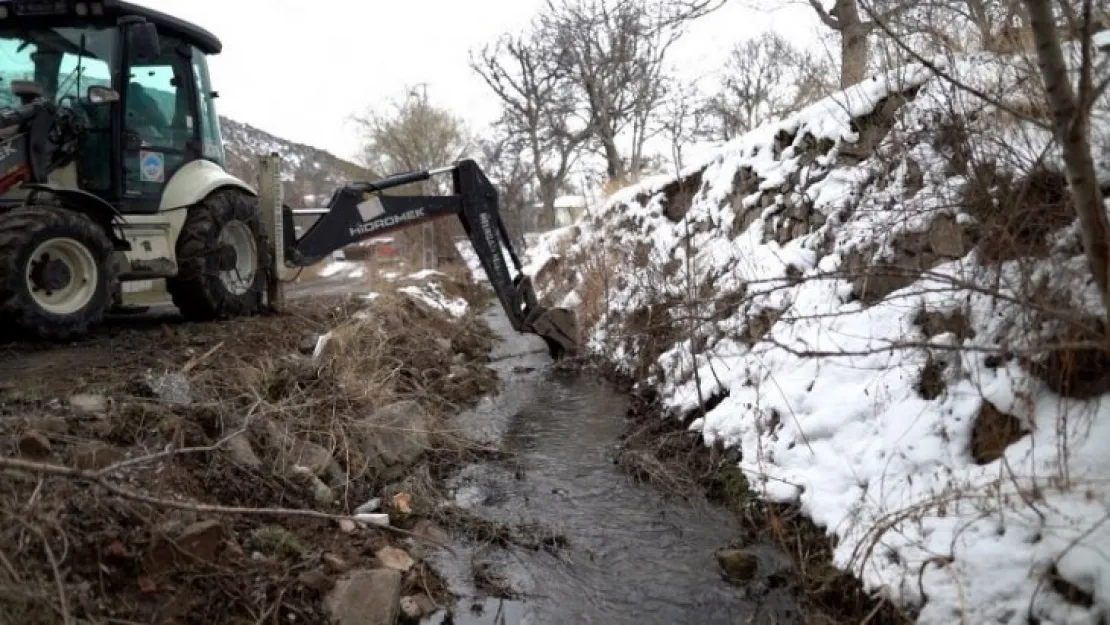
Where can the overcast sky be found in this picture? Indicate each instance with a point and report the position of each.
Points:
(300, 70)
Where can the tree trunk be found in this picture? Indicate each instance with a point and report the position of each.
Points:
(853, 43)
(1071, 126)
(549, 192)
(614, 164)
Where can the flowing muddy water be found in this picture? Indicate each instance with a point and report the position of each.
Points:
(632, 554)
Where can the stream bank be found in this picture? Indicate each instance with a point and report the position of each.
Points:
(582, 540)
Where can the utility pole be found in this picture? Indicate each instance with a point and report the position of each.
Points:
(427, 231)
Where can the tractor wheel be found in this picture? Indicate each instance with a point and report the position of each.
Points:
(222, 259)
(57, 272)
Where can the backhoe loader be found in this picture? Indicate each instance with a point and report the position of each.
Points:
(112, 169)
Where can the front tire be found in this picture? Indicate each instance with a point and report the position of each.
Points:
(222, 257)
(57, 272)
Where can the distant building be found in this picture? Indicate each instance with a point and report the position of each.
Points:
(568, 209)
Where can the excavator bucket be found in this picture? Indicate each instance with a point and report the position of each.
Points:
(361, 210)
(558, 327)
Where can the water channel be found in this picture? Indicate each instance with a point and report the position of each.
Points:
(632, 554)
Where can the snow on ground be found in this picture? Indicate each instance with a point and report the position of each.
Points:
(432, 294)
(821, 390)
(343, 269)
(421, 285)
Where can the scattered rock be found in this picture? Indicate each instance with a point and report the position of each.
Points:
(96, 456)
(417, 606)
(322, 493)
(308, 455)
(89, 403)
(336, 563)
(371, 506)
(444, 344)
(347, 526)
(34, 444)
(201, 540)
(308, 344)
(394, 558)
(737, 565)
(316, 580)
(394, 435)
(289, 452)
(366, 597)
(947, 239)
(993, 432)
(402, 503)
(242, 453)
(171, 388)
(429, 531)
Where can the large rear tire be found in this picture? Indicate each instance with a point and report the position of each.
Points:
(57, 272)
(222, 257)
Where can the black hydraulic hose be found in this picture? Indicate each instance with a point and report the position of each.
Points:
(395, 180)
(508, 243)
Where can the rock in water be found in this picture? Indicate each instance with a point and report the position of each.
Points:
(366, 597)
(737, 565)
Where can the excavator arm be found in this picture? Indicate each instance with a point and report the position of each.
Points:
(359, 211)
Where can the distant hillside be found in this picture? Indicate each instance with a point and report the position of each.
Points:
(310, 174)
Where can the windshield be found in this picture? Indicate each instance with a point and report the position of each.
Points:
(52, 57)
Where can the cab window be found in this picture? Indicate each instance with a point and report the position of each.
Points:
(213, 143)
(160, 114)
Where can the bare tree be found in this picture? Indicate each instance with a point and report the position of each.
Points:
(501, 157)
(533, 80)
(764, 78)
(940, 26)
(616, 51)
(681, 117)
(1071, 117)
(413, 134)
(854, 32)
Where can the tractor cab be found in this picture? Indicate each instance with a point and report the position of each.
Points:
(138, 79)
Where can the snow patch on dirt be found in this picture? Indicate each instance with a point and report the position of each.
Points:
(818, 379)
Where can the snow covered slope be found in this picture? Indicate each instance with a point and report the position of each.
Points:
(869, 288)
(310, 174)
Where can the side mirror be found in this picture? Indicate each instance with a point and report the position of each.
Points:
(143, 40)
(26, 90)
(102, 95)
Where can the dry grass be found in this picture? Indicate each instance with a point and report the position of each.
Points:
(72, 550)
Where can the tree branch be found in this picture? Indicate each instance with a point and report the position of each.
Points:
(827, 19)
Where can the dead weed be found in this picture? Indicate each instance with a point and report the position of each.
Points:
(70, 551)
